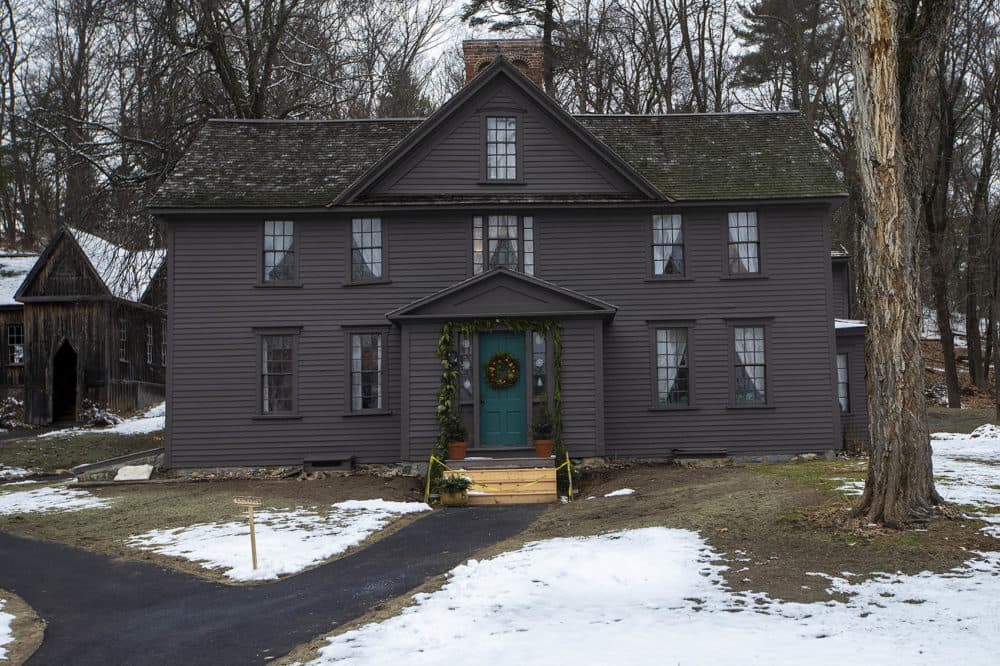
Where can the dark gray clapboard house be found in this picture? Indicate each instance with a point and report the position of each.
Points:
(94, 327)
(679, 267)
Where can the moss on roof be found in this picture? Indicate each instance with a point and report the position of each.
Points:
(691, 157)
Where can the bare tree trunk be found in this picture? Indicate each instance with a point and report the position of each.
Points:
(892, 47)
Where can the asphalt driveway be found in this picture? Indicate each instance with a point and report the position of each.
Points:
(109, 611)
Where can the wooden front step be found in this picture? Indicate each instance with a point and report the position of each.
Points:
(524, 485)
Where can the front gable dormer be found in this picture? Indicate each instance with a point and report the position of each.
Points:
(500, 138)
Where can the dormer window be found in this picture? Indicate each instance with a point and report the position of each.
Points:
(501, 148)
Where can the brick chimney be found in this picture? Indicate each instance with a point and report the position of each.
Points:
(525, 54)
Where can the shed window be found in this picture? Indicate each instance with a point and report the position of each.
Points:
(366, 249)
(149, 344)
(277, 374)
(672, 369)
(497, 243)
(15, 344)
(843, 384)
(744, 244)
(163, 342)
(750, 371)
(501, 148)
(668, 245)
(122, 340)
(279, 251)
(367, 371)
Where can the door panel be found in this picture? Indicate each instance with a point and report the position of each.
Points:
(502, 412)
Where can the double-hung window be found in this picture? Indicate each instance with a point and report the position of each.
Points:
(122, 340)
(843, 384)
(278, 361)
(15, 344)
(368, 371)
(149, 344)
(503, 240)
(279, 252)
(668, 245)
(743, 248)
(749, 365)
(367, 255)
(501, 148)
(673, 373)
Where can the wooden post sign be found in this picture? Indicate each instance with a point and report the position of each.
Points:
(250, 503)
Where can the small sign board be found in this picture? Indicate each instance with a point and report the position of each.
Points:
(250, 502)
(247, 501)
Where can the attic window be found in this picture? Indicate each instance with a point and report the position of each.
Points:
(501, 148)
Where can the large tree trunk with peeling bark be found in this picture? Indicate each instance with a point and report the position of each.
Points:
(894, 45)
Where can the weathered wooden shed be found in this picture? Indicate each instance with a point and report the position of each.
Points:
(94, 327)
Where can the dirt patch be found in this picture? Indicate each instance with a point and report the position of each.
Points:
(28, 629)
(136, 509)
(937, 393)
(48, 454)
(772, 525)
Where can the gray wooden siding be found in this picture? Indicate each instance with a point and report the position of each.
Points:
(553, 161)
(601, 253)
(854, 424)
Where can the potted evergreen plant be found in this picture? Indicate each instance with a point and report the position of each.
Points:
(543, 426)
(453, 489)
(455, 434)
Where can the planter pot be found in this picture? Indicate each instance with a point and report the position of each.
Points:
(457, 498)
(543, 447)
(456, 450)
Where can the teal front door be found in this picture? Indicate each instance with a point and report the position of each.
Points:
(502, 420)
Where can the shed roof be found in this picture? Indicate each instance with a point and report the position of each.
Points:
(689, 157)
(14, 267)
(126, 273)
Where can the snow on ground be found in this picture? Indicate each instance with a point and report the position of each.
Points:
(654, 596)
(621, 492)
(12, 472)
(6, 633)
(657, 596)
(49, 499)
(152, 420)
(287, 541)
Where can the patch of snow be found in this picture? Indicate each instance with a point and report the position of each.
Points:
(287, 541)
(19, 483)
(13, 472)
(14, 267)
(6, 632)
(621, 492)
(849, 486)
(127, 274)
(50, 499)
(152, 420)
(654, 596)
(986, 431)
(134, 473)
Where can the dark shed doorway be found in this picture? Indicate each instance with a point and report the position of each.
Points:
(64, 383)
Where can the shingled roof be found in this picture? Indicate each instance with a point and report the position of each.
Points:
(688, 157)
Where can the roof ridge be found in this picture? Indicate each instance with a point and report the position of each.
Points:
(306, 121)
(786, 112)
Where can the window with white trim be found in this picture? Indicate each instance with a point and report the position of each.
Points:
(672, 369)
(744, 243)
(750, 371)
(367, 371)
(668, 245)
(366, 249)
(496, 242)
(279, 251)
(501, 148)
(15, 344)
(843, 384)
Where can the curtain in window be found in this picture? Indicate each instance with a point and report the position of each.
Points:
(502, 241)
(366, 248)
(842, 383)
(744, 243)
(278, 366)
(750, 364)
(668, 245)
(671, 365)
(366, 371)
